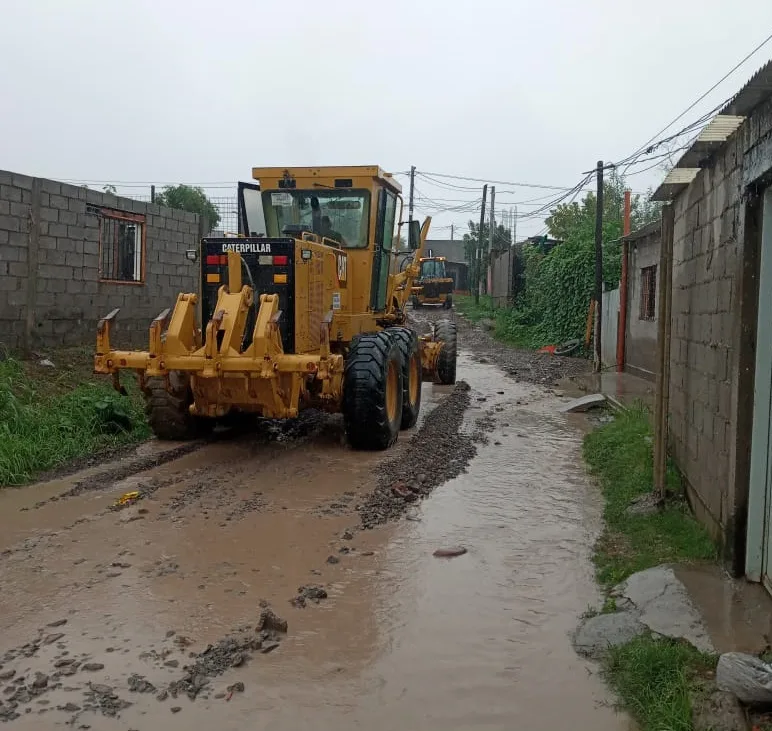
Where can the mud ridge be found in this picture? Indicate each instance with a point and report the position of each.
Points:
(438, 453)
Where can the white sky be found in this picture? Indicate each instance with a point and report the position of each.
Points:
(199, 92)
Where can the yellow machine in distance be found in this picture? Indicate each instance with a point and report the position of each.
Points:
(432, 285)
(304, 313)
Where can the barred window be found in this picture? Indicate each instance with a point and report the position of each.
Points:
(648, 293)
(121, 246)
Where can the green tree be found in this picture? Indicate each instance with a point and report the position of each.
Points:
(555, 288)
(191, 199)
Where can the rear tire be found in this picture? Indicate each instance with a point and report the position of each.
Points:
(412, 374)
(448, 302)
(445, 332)
(372, 392)
(168, 411)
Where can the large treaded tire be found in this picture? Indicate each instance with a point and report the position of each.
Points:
(412, 374)
(445, 332)
(168, 411)
(448, 304)
(373, 363)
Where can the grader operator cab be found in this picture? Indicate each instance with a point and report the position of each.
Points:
(432, 286)
(298, 310)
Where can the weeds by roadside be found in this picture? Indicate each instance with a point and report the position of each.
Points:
(656, 680)
(506, 328)
(620, 455)
(43, 427)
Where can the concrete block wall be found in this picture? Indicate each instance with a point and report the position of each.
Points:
(708, 258)
(641, 335)
(51, 291)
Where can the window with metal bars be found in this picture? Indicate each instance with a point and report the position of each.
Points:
(121, 246)
(648, 293)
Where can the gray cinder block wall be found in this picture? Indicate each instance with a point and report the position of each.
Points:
(52, 289)
(714, 309)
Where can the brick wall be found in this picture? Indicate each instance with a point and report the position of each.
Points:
(709, 274)
(52, 289)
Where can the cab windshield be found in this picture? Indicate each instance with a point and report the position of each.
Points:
(341, 215)
(432, 269)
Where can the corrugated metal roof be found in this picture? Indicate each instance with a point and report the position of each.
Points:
(717, 132)
(644, 231)
(677, 180)
(713, 135)
(755, 92)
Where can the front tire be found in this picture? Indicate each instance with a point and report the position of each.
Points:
(168, 410)
(372, 392)
(445, 332)
(412, 374)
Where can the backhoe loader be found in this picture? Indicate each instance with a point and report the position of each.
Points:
(432, 285)
(297, 310)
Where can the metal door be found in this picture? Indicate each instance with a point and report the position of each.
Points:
(759, 543)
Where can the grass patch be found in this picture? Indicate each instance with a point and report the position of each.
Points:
(49, 417)
(507, 329)
(620, 455)
(655, 679)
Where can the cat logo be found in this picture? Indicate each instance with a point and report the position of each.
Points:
(342, 268)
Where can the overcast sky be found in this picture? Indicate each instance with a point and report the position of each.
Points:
(198, 92)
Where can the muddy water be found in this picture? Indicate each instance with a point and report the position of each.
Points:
(404, 639)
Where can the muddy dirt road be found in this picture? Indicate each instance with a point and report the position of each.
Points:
(106, 612)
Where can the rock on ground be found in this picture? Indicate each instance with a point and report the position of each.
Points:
(745, 676)
(595, 635)
(661, 602)
(716, 710)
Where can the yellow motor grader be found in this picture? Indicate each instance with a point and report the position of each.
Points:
(299, 310)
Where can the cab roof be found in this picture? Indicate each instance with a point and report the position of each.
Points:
(361, 176)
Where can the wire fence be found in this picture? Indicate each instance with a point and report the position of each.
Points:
(227, 206)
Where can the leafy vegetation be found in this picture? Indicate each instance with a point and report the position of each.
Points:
(42, 427)
(620, 455)
(655, 679)
(191, 199)
(555, 286)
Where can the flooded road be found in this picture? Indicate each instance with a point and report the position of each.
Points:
(402, 640)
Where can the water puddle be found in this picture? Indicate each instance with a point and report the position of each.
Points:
(404, 639)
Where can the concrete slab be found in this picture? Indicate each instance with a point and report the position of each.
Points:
(585, 403)
(661, 602)
(621, 388)
(595, 635)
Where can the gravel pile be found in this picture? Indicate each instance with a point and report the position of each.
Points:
(438, 453)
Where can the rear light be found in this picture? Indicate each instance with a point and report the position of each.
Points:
(212, 259)
(212, 278)
(224, 259)
(280, 261)
(279, 278)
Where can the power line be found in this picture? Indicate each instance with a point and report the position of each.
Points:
(495, 182)
(712, 88)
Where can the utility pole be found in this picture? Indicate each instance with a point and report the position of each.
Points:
(598, 266)
(623, 283)
(451, 232)
(152, 193)
(514, 225)
(412, 187)
(478, 252)
(491, 241)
